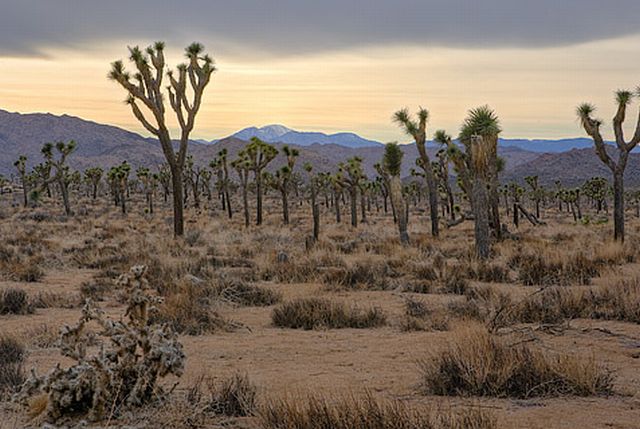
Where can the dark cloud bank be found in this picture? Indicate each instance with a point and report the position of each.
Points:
(28, 27)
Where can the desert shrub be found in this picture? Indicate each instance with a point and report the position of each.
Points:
(96, 289)
(22, 269)
(490, 273)
(193, 238)
(124, 373)
(42, 336)
(246, 294)
(454, 282)
(187, 310)
(318, 313)
(477, 364)
(368, 274)
(550, 305)
(617, 301)
(419, 317)
(14, 301)
(536, 269)
(55, 300)
(233, 397)
(367, 413)
(12, 357)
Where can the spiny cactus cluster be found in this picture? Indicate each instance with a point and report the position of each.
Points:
(125, 371)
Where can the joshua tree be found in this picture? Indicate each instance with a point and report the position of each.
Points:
(258, 155)
(536, 192)
(351, 179)
(391, 163)
(42, 172)
(220, 166)
(417, 129)
(193, 177)
(281, 180)
(164, 177)
(243, 167)
(93, 176)
(315, 210)
(21, 166)
(145, 86)
(592, 127)
(149, 183)
(63, 176)
(337, 185)
(515, 192)
(444, 139)
(483, 122)
(596, 189)
(118, 177)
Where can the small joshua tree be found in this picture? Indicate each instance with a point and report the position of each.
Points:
(592, 127)
(536, 192)
(444, 139)
(125, 371)
(93, 176)
(62, 175)
(118, 177)
(351, 177)
(220, 166)
(243, 167)
(281, 180)
(258, 155)
(149, 183)
(315, 210)
(391, 163)
(417, 130)
(146, 87)
(21, 166)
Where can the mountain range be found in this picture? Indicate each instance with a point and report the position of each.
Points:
(106, 145)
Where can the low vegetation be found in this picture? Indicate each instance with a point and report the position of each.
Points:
(318, 313)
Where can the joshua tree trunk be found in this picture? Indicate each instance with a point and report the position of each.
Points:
(229, 211)
(285, 207)
(481, 214)
(353, 193)
(433, 199)
(258, 198)
(64, 190)
(178, 209)
(363, 207)
(315, 210)
(618, 205)
(245, 203)
(336, 205)
(397, 200)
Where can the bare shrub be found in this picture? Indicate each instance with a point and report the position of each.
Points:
(124, 374)
(245, 294)
(536, 269)
(419, 317)
(233, 397)
(12, 357)
(317, 313)
(616, 301)
(367, 413)
(14, 301)
(477, 364)
(368, 274)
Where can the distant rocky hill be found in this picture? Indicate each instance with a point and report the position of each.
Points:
(107, 145)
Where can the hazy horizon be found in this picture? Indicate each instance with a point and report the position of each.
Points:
(334, 66)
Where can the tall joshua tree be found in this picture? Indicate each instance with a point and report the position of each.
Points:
(258, 155)
(417, 130)
(483, 122)
(145, 87)
(391, 163)
(221, 167)
(592, 127)
(444, 139)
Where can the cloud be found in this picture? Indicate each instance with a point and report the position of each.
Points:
(289, 27)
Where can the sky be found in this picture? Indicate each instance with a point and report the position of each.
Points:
(332, 65)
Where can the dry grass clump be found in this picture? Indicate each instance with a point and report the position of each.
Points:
(419, 317)
(318, 313)
(233, 397)
(538, 269)
(550, 305)
(487, 272)
(15, 301)
(245, 294)
(188, 310)
(22, 268)
(478, 364)
(483, 303)
(368, 274)
(617, 301)
(367, 413)
(12, 357)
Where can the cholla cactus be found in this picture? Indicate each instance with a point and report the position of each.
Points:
(124, 372)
